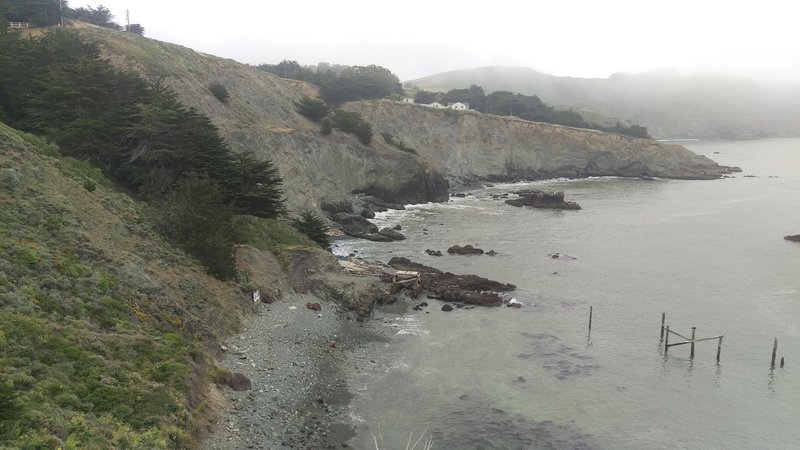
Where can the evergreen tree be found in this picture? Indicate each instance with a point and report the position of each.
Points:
(315, 228)
(196, 217)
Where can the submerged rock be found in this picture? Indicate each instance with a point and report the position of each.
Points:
(793, 238)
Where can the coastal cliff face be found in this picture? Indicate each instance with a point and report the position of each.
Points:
(470, 147)
(260, 116)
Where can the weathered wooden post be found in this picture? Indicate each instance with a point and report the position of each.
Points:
(590, 318)
(663, 318)
(774, 351)
(719, 347)
(691, 350)
(781, 362)
(666, 339)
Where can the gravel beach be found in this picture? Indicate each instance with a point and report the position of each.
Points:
(298, 361)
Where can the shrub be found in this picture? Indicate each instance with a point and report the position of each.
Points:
(219, 90)
(312, 226)
(399, 144)
(353, 123)
(314, 109)
(269, 234)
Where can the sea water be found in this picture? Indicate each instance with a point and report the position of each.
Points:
(709, 254)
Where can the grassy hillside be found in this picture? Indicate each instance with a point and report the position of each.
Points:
(104, 327)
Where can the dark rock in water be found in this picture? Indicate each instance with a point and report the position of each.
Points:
(433, 252)
(384, 204)
(491, 253)
(562, 256)
(367, 214)
(239, 382)
(541, 199)
(333, 208)
(793, 238)
(314, 306)
(392, 234)
(732, 169)
(465, 250)
(449, 287)
(397, 227)
(355, 225)
(447, 307)
(423, 304)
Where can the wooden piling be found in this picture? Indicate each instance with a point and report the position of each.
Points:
(719, 347)
(691, 351)
(781, 362)
(666, 339)
(663, 318)
(590, 318)
(774, 351)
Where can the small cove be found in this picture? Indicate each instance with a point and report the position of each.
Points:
(708, 253)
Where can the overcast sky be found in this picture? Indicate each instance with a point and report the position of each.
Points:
(414, 38)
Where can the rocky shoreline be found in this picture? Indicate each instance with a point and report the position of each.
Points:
(298, 361)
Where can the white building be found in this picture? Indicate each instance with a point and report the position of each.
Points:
(436, 105)
(408, 100)
(458, 106)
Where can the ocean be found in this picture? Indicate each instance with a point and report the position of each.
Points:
(709, 254)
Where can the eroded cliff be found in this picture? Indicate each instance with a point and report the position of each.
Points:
(469, 147)
(260, 116)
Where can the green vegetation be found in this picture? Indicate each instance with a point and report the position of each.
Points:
(270, 234)
(313, 108)
(315, 228)
(528, 107)
(49, 12)
(219, 91)
(136, 132)
(330, 118)
(196, 217)
(398, 143)
(97, 349)
(339, 84)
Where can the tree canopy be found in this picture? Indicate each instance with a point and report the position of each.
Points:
(339, 84)
(528, 107)
(137, 132)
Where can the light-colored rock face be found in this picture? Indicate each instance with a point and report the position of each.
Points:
(471, 146)
(260, 116)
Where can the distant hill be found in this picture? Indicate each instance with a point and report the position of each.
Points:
(668, 104)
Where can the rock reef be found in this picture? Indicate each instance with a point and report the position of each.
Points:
(470, 289)
(541, 199)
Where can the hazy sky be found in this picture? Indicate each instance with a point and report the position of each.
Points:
(413, 38)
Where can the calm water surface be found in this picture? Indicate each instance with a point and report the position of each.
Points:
(710, 254)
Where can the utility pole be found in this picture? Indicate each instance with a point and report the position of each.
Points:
(128, 21)
(61, 11)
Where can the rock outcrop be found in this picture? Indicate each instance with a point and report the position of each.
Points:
(449, 287)
(541, 199)
(471, 147)
(465, 250)
(793, 238)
